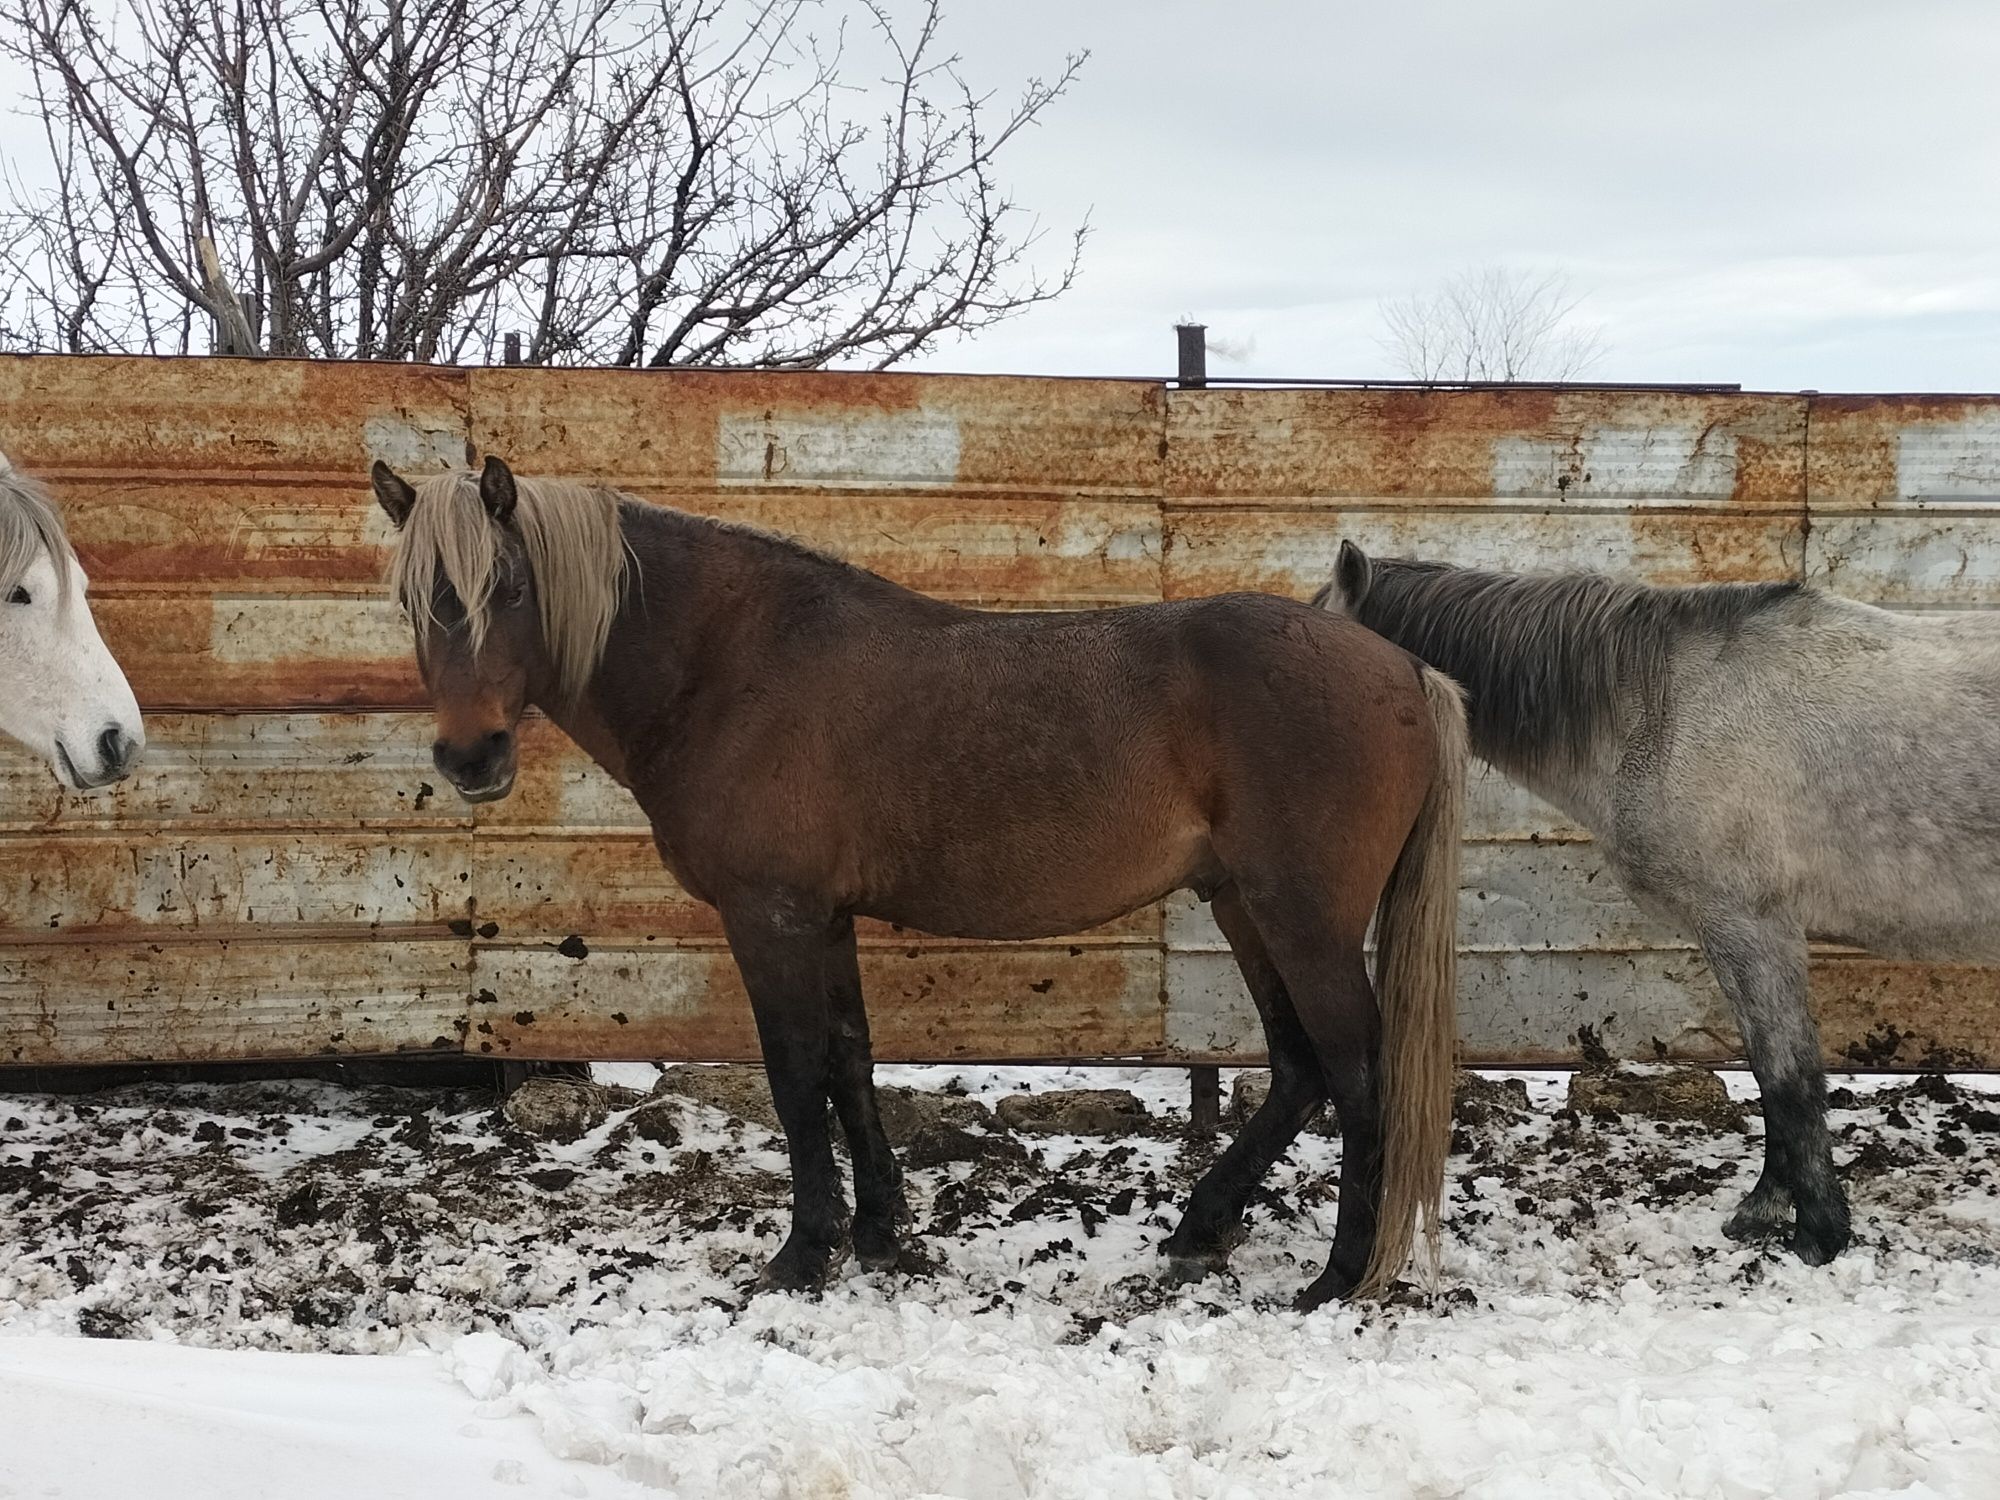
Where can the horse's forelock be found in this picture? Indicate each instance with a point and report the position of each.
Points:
(570, 536)
(30, 525)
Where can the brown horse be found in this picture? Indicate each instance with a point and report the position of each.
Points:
(814, 743)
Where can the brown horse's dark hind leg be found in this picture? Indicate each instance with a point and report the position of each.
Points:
(878, 1185)
(1200, 1244)
(783, 958)
(1326, 975)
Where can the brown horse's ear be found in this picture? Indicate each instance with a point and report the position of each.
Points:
(1354, 574)
(392, 493)
(496, 488)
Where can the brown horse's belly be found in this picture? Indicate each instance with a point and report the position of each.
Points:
(1012, 900)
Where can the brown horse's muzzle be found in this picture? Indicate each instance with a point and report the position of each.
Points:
(482, 769)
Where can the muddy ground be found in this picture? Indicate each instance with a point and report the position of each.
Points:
(308, 1216)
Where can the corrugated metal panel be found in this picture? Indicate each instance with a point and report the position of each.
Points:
(1905, 500)
(1212, 550)
(285, 878)
(941, 1003)
(198, 1000)
(1431, 449)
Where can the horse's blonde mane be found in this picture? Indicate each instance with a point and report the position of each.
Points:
(30, 525)
(574, 549)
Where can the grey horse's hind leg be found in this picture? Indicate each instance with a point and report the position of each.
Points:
(1761, 965)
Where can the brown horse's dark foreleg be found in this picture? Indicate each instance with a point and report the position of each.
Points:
(782, 954)
(1200, 1244)
(878, 1186)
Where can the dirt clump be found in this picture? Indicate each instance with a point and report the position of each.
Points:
(739, 1090)
(1655, 1092)
(908, 1112)
(1476, 1100)
(556, 1109)
(1074, 1112)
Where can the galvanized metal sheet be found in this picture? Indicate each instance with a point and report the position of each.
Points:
(712, 430)
(261, 651)
(250, 771)
(235, 551)
(114, 421)
(1525, 1009)
(229, 884)
(1293, 551)
(1448, 448)
(295, 535)
(1513, 897)
(206, 1001)
(1871, 451)
(993, 1003)
(1905, 500)
(1909, 559)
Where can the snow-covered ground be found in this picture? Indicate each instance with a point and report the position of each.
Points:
(532, 1318)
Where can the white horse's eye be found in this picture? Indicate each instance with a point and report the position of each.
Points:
(19, 595)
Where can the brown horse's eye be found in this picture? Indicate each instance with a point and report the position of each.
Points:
(19, 595)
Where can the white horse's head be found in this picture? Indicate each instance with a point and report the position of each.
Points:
(61, 694)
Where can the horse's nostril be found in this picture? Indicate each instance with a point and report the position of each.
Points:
(113, 749)
(473, 764)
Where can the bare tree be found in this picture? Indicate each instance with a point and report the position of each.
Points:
(661, 182)
(1491, 324)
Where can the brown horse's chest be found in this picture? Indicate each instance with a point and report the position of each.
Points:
(678, 867)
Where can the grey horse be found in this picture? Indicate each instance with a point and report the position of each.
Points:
(1762, 764)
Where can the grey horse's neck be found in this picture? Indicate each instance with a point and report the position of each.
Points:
(1558, 667)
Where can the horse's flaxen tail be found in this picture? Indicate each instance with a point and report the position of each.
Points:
(1416, 985)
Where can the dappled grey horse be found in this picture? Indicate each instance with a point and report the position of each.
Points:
(1761, 764)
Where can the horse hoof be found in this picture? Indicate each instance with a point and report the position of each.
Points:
(1331, 1286)
(876, 1249)
(1186, 1270)
(1818, 1249)
(795, 1269)
(1748, 1224)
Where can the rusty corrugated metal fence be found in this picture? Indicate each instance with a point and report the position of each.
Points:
(286, 877)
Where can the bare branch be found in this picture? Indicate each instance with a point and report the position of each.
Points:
(624, 181)
(1491, 324)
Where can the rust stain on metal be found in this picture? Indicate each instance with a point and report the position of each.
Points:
(1870, 452)
(942, 1005)
(1473, 447)
(206, 1001)
(150, 418)
(667, 428)
(1881, 1013)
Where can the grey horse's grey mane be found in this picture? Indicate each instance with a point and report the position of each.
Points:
(1548, 660)
(30, 525)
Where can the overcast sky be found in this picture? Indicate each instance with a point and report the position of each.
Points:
(1782, 194)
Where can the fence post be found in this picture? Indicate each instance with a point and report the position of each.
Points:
(1204, 1083)
(511, 349)
(1204, 1100)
